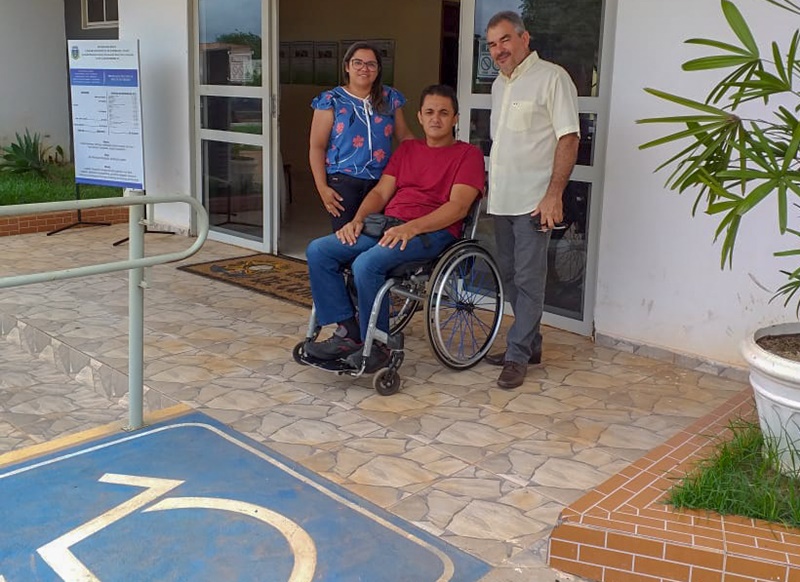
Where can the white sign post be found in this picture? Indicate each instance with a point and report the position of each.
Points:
(106, 113)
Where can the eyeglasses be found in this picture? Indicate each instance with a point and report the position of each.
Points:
(359, 64)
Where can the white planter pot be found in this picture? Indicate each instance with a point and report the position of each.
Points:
(776, 386)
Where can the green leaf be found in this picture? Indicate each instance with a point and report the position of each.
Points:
(739, 26)
(791, 151)
(743, 174)
(687, 102)
(718, 44)
(698, 164)
(757, 195)
(719, 207)
(783, 211)
(681, 119)
(786, 117)
(794, 187)
(776, 55)
(717, 189)
(766, 80)
(722, 88)
(680, 154)
(729, 242)
(791, 55)
(786, 5)
(692, 131)
(26, 154)
(716, 62)
(760, 151)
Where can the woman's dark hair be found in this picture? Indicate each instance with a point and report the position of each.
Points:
(440, 91)
(376, 92)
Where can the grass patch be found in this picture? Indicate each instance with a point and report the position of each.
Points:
(57, 186)
(741, 478)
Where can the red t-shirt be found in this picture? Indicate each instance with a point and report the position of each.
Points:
(425, 176)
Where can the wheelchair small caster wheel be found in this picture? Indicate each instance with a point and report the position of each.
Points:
(386, 382)
(297, 353)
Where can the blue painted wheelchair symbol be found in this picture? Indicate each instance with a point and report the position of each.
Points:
(191, 499)
(58, 556)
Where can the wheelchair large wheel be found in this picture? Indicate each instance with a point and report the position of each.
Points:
(464, 306)
(401, 311)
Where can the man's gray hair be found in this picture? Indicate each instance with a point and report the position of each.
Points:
(507, 16)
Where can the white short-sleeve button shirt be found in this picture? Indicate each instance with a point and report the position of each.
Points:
(531, 110)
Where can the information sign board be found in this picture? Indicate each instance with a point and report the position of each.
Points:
(106, 113)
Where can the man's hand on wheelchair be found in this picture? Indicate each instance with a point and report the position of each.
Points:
(348, 234)
(398, 234)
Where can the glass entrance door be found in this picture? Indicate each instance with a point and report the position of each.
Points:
(233, 119)
(569, 33)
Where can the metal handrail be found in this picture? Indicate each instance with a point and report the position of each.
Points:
(132, 263)
(135, 264)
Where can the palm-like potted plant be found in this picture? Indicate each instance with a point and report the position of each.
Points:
(744, 140)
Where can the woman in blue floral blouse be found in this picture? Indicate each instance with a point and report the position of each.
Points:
(351, 133)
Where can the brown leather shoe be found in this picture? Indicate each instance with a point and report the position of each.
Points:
(499, 359)
(513, 375)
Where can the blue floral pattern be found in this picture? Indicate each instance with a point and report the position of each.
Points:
(360, 143)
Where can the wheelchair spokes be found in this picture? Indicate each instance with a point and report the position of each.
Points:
(465, 306)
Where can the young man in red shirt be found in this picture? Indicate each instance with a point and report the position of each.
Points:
(430, 184)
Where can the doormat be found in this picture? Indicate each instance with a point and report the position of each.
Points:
(280, 277)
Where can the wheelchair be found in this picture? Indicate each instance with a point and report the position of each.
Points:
(461, 295)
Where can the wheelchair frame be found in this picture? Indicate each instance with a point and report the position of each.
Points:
(442, 285)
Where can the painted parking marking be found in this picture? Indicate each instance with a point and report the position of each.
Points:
(57, 553)
(59, 557)
(302, 546)
(193, 499)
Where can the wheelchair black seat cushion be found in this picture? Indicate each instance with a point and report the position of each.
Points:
(412, 268)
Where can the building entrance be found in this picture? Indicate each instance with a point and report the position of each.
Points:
(419, 45)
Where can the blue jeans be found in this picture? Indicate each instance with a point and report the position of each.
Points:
(371, 264)
(522, 259)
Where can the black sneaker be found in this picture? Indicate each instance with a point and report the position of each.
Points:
(378, 358)
(336, 347)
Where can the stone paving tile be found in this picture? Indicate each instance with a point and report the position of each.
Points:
(486, 469)
(39, 403)
(12, 438)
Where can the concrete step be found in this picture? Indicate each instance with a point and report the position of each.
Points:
(39, 401)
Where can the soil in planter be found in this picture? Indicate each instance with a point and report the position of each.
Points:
(786, 346)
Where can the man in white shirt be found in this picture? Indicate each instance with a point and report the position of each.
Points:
(535, 129)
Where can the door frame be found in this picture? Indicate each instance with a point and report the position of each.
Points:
(266, 140)
(273, 110)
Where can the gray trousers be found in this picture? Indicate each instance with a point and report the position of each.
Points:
(522, 258)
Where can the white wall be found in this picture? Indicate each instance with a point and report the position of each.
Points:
(659, 280)
(163, 32)
(33, 71)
